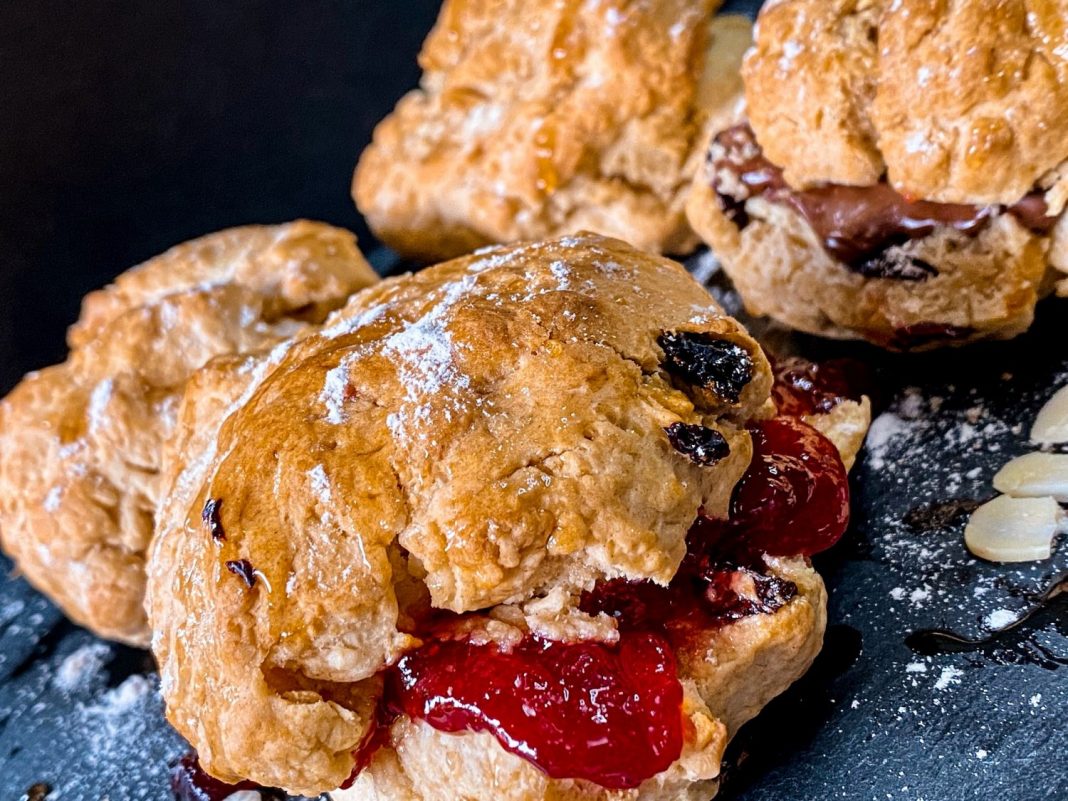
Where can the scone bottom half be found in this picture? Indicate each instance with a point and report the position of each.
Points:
(530, 514)
(867, 262)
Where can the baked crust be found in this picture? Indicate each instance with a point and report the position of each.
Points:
(80, 442)
(486, 434)
(955, 101)
(535, 119)
(986, 287)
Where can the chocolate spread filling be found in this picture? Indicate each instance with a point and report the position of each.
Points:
(858, 224)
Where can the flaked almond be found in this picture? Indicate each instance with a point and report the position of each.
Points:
(1051, 425)
(1009, 529)
(1035, 475)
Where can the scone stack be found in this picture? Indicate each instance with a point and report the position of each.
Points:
(536, 523)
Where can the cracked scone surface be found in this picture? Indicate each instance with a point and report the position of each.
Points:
(81, 442)
(962, 101)
(535, 119)
(487, 434)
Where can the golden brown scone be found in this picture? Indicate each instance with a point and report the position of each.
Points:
(986, 286)
(961, 101)
(535, 119)
(846, 425)
(80, 442)
(487, 436)
(902, 169)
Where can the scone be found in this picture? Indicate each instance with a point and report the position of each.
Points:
(446, 547)
(80, 442)
(536, 118)
(902, 175)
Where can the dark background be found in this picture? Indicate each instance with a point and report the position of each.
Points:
(127, 127)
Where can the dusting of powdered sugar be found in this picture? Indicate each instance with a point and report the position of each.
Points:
(335, 387)
(427, 367)
(82, 667)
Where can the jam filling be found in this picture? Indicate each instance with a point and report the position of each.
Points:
(803, 388)
(857, 224)
(610, 714)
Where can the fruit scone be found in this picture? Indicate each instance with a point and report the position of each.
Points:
(524, 525)
(903, 172)
(536, 118)
(80, 442)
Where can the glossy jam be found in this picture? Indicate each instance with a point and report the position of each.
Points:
(793, 499)
(611, 714)
(189, 782)
(802, 387)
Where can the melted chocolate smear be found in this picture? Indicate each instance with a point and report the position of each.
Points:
(1014, 644)
(210, 515)
(703, 446)
(38, 791)
(856, 223)
(702, 360)
(244, 569)
(940, 515)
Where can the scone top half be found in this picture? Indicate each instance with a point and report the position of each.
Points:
(901, 176)
(487, 437)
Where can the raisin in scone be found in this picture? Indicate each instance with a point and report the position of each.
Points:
(80, 442)
(902, 174)
(512, 527)
(535, 119)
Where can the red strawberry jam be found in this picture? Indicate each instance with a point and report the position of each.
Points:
(793, 499)
(802, 387)
(611, 714)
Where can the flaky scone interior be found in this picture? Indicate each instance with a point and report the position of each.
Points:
(81, 442)
(505, 528)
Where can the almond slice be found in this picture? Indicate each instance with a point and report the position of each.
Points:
(1051, 424)
(1009, 529)
(1035, 475)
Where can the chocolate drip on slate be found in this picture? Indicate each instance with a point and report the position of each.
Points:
(1013, 643)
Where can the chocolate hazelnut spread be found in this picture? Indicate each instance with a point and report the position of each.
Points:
(856, 223)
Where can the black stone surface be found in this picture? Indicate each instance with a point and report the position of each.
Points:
(129, 126)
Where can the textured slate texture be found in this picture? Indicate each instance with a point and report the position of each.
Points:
(130, 126)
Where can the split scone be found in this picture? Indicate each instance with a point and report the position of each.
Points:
(902, 176)
(80, 442)
(536, 118)
(446, 547)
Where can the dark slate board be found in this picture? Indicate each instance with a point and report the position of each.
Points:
(255, 115)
